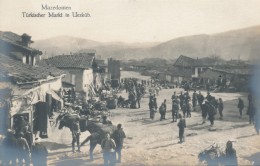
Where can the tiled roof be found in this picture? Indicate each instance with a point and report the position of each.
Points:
(207, 61)
(180, 72)
(236, 71)
(14, 39)
(100, 62)
(81, 61)
(184, 61)
(21, 73)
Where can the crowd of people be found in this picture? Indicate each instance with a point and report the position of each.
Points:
(16, 149)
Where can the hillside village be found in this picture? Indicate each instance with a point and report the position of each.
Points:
(42, 90)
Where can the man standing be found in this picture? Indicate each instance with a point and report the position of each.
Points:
(240, 106)
(181, 100)
(230, 155)
(8, 147)
(119, 137)
(220, 108)
(194, 100)
(39, 154)
(251, 112)
(108, 149)
(138, 96)
(182, 126)
(162, 111)
(75, 130)
(175, 109)
(23, 150)
(200, 98)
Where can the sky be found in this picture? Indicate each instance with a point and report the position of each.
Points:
(130, 20)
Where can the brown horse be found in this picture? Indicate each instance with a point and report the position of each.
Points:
(97, 130)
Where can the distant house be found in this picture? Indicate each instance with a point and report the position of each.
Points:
(235, 76)
(182, 69)
(32, 88)
(82, 69)
(114, 70)
(202, 64)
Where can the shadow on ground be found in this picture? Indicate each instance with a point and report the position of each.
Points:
(255, 158)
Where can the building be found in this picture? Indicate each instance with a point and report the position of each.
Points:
(114, 71)
(83, 71)
(32, 88)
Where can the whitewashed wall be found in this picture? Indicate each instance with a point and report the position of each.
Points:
(87, 79)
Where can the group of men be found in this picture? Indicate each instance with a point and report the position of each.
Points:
(111, 146)
(15, 147)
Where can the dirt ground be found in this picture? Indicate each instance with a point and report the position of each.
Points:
(155, 142)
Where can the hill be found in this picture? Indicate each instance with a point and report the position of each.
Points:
(242, 43)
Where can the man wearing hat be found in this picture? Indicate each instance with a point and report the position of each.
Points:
(39, 153)
(23, 150)
(8, 147)
(119, 136)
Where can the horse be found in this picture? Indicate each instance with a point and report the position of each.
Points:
(213, 155)
(97, 130)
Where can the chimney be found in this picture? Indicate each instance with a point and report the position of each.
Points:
(26, 40)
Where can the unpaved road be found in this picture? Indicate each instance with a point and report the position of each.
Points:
(155, 142)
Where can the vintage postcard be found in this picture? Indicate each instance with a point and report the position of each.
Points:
(129, 82)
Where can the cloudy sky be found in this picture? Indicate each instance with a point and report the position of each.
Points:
(131, 20)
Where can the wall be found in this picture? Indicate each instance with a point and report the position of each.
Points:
(114, 68)
(87, 79)
(24, 103)
(78, 76)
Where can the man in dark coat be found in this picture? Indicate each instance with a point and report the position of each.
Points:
(230, 155)
(200, 98)
(119, 136)
(251, 112)
(9, 148)
(182, 125)
(182, 98)
(194, 100)
(162, 110)
(75, 131)
(240, 106)
(138, 96)
(108, 148)
(23, 150)
(220, 108)
(211, 112)
(152, 108)
(39, 154)
(175, 109)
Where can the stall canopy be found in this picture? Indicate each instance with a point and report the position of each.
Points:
(55, 96)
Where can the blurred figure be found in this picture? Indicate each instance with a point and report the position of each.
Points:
(9, 149)
(108, 149)
(162, 111)
(119, 137)
(251, 112)
(230, 155)
(220, 108)
(23, 150)
(39, 153)
(200, 98)
(75, 131)
(240, 106)
(182, 125)
(194, 100)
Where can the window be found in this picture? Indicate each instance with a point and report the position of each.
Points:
(27, 59)
(193, 71)
(73, 78)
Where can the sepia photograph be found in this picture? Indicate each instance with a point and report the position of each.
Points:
(129, 83)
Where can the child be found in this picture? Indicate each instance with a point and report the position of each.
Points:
(181, 125)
